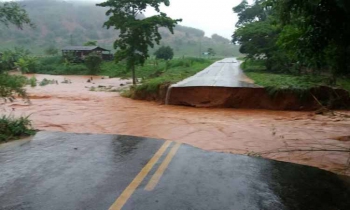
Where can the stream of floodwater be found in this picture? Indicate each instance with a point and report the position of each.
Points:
(72, 107)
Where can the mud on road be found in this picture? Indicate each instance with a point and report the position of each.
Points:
(279, 135)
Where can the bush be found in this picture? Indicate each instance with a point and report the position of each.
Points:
(32, 82)
(93, 63)
(165, 53)
(51, 50)
(11, 85)
(62, 69)
(51, 60)
(27, 64)
(13, 128)
(57, 65)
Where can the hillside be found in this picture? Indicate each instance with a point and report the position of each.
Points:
(61, 23)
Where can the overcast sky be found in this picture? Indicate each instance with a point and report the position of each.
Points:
(211, 16)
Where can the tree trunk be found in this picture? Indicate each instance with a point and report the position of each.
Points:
(133, 74)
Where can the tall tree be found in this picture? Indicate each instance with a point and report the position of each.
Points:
(324, 28)
(250, 13)
(12, 13)
(256, 32)
(136, 34)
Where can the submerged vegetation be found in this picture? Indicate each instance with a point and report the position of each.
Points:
(150, 76)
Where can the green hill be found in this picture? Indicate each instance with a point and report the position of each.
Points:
(62, 23)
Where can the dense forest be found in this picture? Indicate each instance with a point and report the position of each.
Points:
(61, 23)
(296, 37)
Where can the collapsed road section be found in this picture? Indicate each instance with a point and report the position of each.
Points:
(223, 84)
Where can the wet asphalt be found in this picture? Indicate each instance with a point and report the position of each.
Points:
(62, 171)
(223, 73)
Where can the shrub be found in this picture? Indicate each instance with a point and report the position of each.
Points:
(27, 64)
(51, 60)
(13, 128)
(165, 53)
(32, 82)
(11, 85)
(93, 63)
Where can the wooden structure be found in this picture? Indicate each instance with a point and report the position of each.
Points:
(81, 52)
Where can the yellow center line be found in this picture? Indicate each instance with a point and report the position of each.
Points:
(124, 197)
(158, 174)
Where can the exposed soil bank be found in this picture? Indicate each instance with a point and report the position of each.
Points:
(258, 98)
(271, 134)
(158, 96)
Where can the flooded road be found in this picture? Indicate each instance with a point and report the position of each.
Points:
(285, 136)
(56, 171)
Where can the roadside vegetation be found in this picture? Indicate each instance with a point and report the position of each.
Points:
(256, 70)
(295, 44)
(12, 86)
(12, 128)
(164, 74)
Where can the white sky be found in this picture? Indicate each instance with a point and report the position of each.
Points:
(211, 16)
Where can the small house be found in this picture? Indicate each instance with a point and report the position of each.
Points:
(82, 51)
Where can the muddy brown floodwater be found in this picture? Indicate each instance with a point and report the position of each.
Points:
(282, 135)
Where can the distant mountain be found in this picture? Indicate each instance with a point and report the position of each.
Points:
(61, 23)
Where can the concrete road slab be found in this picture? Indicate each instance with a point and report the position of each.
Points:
(223, 73)
(83, 171)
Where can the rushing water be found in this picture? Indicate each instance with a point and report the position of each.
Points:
(73, 108)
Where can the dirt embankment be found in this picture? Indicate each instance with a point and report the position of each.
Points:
(158, 96)
(250, 98)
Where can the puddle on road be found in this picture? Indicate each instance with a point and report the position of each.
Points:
(73, 108)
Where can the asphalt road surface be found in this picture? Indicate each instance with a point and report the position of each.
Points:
(60, 171)
(223, 73)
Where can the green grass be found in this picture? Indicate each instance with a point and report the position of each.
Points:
(169, 73)
(153, 73)
(257, 72)
(14, 128)
(240, 58)
(156, 73)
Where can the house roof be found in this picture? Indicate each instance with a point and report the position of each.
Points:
(83, 48)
